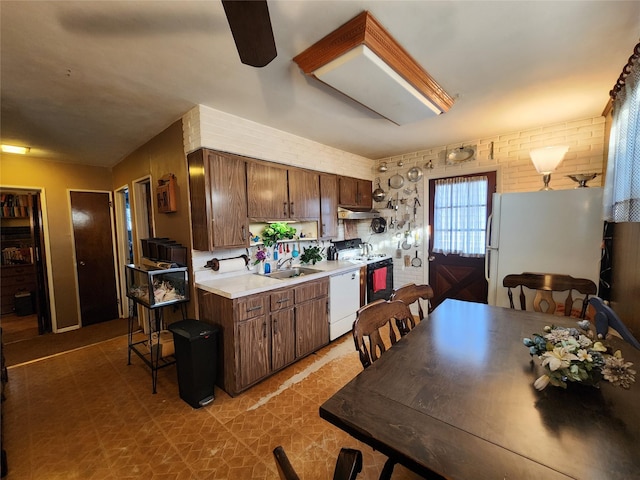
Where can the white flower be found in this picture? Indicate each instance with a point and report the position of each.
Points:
(560, 357)
(541, 382)
(584, 356)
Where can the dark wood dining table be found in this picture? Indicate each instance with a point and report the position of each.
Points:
(455, 396)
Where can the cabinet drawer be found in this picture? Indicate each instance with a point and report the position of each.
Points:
(311, 290)
(280, 300)
(250, 307)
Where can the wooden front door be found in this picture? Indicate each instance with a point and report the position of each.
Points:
(93, 240)
(453, 275)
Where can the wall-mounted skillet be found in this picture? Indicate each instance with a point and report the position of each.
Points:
(416, 262)
(378, 225)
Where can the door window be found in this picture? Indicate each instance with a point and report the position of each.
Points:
(460, 216)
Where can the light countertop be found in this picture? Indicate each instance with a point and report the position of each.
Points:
(248, 283)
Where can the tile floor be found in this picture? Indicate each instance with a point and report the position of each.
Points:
(87, 415)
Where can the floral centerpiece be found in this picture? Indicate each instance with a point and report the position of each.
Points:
(261, 256)
(572, 355)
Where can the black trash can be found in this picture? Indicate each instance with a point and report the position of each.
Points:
(196, 351)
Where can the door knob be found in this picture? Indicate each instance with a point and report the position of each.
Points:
(431, 258)
(82, 263)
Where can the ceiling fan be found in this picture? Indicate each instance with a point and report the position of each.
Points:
(251, 28)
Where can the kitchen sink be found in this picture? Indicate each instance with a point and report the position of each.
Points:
(292, 272)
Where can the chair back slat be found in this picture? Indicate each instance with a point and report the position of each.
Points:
(374, 320)
(544, 284)
(411, 293)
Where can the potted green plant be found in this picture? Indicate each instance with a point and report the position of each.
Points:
(274, 232)
(311, 255)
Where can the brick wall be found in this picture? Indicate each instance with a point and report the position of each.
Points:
(210, 128)
(511, 158)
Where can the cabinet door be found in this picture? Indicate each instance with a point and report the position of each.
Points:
(283, 338)
(364, 199)
(268, 197)
(218, 200)
(304, 194)
(348, 191)
(312, 326)
(252, 349)
(328, 206)
(227, 177)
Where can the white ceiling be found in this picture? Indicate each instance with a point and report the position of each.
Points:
(90, 81)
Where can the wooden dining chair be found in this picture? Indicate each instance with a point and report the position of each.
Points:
(348, 464)
(388, 317)
(544, 284)
(605, 318)
(411, 293)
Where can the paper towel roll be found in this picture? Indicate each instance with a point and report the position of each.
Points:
(232, 265)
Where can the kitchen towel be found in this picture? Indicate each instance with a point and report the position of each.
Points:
(379, 279)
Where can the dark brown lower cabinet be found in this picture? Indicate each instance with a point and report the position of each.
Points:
(261, 334)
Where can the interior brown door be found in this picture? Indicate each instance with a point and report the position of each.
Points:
(42, 292)
(91, 213)
(456, 276)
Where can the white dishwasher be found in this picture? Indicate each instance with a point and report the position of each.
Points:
(344, 302)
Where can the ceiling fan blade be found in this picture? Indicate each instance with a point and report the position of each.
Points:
(251, 28)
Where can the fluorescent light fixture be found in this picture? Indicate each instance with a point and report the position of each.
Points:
(15, 149)
(361, 60)
(546, 160)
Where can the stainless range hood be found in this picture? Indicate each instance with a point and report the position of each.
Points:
(345, 214)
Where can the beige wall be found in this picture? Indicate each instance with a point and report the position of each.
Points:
(55, 179)
(161, 155)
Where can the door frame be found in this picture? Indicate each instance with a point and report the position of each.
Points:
(73, 249)
(47, 247)
(122, 246)
(427, 202)
(142, 215)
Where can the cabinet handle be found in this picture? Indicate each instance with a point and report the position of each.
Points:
(244, 233)
(275, 326)
(264, 329)
(291, 209)
(284, 209)
(283, 300)
(253, 309)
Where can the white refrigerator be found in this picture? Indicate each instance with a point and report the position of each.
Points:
(554, 231)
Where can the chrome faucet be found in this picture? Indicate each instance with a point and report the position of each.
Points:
(282, 261)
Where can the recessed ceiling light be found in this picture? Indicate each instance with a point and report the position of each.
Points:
(15, 149)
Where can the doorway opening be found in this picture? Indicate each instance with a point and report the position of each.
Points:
(142, 208)
(124, 242)
(458, 211)
(25, 305)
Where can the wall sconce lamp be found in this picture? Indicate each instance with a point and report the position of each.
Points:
(546, 160)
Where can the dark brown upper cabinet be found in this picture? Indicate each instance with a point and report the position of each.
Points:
(217, 183)
(355, 193)
(279, 193)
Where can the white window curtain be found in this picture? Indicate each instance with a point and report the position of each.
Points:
(622, 185)
(460, 216)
